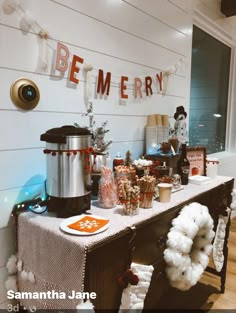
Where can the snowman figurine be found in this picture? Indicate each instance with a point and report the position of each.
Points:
(180, 125)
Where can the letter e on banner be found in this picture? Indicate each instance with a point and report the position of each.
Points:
(75, 69)
(137, 87)
(62, 57)
(123, 87)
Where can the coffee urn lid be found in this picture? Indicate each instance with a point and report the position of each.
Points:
(59, 134)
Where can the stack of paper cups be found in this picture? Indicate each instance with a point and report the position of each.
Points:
(159, 134)
(211, 167)
(165, 126)
(151, 140)
(151, 135)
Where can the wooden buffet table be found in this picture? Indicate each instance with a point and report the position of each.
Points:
(140, 239)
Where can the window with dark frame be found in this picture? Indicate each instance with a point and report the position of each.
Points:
(209, 92)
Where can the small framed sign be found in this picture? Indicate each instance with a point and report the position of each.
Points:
(197, 160)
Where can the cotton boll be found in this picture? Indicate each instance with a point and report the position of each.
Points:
(208, 249)
(174, 273)
(200, 257)
(233, 192)
(196, 273)
(233, 205)
(179, 242)
(205, 233)
(9, 6)
(181, 285)
(11, 283)
(24, 275)
(200, 242)
(19, 265)
(186, 226)
(31, 277)
(11, 265)
(26, 22)
(174, 258)
(87, 305)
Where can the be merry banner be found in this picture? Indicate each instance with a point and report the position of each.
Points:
(104, 79)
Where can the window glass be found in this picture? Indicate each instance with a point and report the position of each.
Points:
(209, 91)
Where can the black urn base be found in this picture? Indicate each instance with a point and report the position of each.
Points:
(67, 207)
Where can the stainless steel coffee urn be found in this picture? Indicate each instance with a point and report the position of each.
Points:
(68, 184)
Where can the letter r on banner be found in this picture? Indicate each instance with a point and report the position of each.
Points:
(62, 57)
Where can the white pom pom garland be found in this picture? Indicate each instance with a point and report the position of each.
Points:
(24, 275)
(11, 283)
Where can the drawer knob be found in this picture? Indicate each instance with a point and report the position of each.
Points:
(161, 241)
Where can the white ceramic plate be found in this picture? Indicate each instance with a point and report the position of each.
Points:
(64, 225)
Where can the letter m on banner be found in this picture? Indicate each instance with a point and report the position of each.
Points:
(103, 87)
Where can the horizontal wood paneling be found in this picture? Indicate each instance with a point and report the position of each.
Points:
(163, 10)
(39, 122)
(21, 168)
(134, 22)
(52, 92)
(183, 5)
(125, 46)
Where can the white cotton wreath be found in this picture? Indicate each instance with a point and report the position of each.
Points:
(188, 246)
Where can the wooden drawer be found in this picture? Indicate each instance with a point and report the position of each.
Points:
(150, 240)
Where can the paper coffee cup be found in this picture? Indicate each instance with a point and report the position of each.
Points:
(165, 120)
(164, 192)
(158, 120)
(151, 120)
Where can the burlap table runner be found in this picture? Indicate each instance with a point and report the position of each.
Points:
(58, 259)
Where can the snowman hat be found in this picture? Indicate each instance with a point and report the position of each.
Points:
(179, 110)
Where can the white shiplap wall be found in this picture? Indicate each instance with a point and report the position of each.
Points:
(130, 37)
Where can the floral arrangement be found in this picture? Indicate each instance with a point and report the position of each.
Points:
(99, 143)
